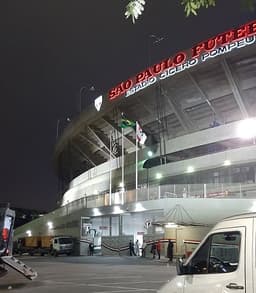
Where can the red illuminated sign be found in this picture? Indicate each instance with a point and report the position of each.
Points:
(221, 44)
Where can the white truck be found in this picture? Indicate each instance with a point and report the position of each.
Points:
(62, 245)
(225, 261)
(42, 245)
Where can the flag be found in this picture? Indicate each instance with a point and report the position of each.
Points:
(140, 135)
(98, 103)
(113, 144)
(125, 123)
(114, 148)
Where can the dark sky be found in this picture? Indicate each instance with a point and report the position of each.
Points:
(51, 48)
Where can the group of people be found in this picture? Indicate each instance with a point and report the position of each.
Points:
(134, 249)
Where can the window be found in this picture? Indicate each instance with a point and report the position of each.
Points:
(65, 240)
(219, 254)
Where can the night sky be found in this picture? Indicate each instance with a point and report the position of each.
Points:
(51, 48)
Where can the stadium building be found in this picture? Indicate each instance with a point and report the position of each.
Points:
(164, 154)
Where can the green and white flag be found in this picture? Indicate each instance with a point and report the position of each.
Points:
(125, 123)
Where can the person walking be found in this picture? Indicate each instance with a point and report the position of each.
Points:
(143, 249)
(170, 250)
(158, 249)
(153, 249)
(131, 248)
(91, 249)
(137, 248)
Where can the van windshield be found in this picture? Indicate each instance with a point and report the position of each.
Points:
(65, 241)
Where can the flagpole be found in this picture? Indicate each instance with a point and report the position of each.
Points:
(136, 163)
(122, 166)
(110, 169)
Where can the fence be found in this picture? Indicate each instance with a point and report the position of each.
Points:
(224, 190)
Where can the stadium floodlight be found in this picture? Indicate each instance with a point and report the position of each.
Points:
(247, 128)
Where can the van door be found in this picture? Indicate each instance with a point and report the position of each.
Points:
(219, 264)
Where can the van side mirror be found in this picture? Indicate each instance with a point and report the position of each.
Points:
(180, 267)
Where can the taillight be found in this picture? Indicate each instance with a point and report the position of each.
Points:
(5, 234)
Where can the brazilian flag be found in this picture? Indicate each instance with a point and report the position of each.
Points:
(125, 123)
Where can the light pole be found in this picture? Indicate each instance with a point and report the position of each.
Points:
(58, 126)
(82, 89)
(153, 40)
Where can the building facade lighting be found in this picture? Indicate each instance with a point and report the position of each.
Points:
(159, 176)
(190, 169)
(247, 128)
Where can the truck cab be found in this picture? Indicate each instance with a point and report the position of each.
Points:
(225, 261)
(62, 245)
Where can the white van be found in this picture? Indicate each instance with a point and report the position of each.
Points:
(225, 261)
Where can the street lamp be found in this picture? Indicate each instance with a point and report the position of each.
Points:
(153, 40)
(86, 89)
(58, 126)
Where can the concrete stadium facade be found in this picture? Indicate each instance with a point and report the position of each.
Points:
(191, 107)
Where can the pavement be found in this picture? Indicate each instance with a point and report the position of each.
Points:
(92, 274)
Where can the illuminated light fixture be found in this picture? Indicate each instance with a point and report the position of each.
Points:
(29, 233)
(159, 175)
(190, 169)
(98, 103)
(50, 225)
(227, 163)
(253, 208)
(139, 207)
(180, 285)
(150, 154)
(121, 184)
(96, 212)
(171, 225)
(117, 210)
(247, 129)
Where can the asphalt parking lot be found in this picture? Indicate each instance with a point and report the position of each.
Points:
(95, 274)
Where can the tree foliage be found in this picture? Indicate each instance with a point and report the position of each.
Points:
(134, 8)
(192, 6)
